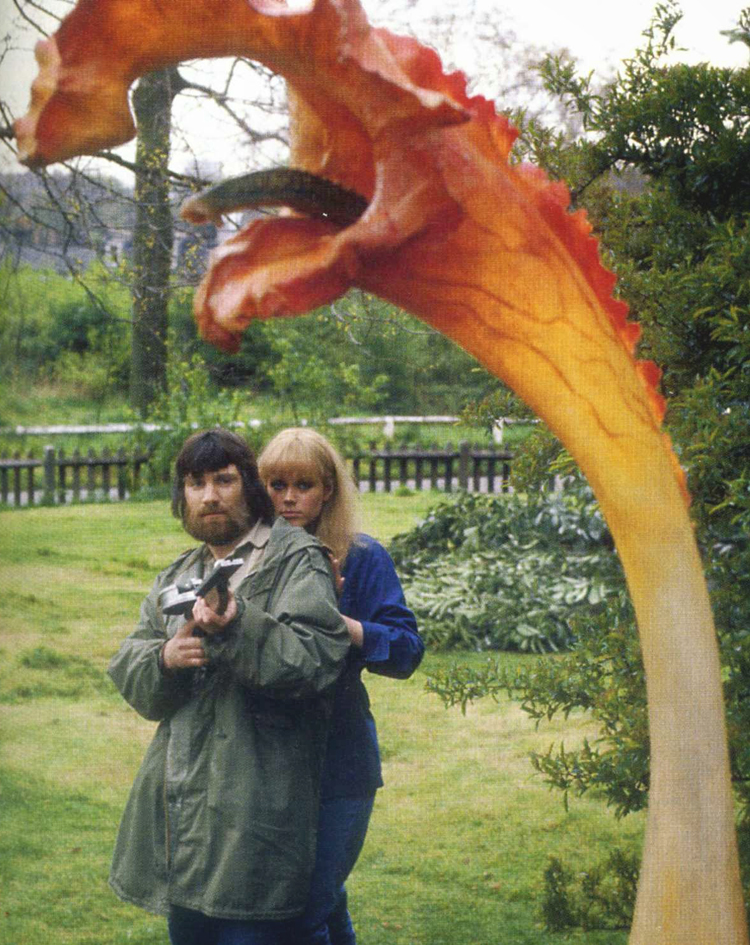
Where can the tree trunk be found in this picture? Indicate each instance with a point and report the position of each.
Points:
(152, 237)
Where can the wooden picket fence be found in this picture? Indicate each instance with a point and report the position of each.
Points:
(472, 468)
(57, 478)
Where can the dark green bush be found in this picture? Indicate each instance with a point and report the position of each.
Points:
(600, 897)
(508, 572)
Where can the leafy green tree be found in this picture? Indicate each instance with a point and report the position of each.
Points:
(315, 372)
(427, 373)
(190, 402)
(244, 369)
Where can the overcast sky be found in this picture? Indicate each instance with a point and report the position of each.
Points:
(601, 33)
(597, 32)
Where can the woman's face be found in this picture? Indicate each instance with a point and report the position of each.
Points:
(298, 496)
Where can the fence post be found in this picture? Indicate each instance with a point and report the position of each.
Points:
(62, 473)
(449, 455)
(106, 474)
(434, 469)
(403, 471)
(491, 476)
(3, 482)
(90, 473)
(49, 476)
(17, 480)
(505, 485)
(121, 473)
(373, 469)
(463, 465)
(76, 475)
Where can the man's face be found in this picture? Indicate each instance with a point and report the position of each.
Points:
(215, 508)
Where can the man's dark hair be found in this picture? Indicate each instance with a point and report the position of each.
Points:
(210, 451)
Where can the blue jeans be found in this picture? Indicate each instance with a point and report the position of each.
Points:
(342, 828)
(187, 927)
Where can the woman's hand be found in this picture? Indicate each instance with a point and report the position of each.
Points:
(338, 579)
(356, 631)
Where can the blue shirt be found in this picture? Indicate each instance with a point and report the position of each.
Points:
(392, 646)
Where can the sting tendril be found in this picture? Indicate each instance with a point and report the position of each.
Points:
(278, 187)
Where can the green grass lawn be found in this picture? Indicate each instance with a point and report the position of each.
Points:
(460, 835)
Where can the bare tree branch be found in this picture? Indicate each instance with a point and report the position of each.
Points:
(21, 8)
(222, 100)
(133, 166)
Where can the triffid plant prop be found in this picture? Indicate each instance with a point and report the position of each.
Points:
(486, 252)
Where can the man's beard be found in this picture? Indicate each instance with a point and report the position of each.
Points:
(217, 531)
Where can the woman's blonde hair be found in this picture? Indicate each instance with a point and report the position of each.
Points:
(304, 451)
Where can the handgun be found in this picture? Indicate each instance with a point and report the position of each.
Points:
(180, 598)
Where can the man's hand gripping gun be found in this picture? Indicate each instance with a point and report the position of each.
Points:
(180, 598)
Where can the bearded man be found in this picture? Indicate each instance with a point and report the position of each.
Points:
(219, 831)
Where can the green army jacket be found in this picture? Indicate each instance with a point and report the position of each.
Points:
(222, 815)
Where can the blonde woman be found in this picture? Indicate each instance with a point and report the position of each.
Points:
(310, 487)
